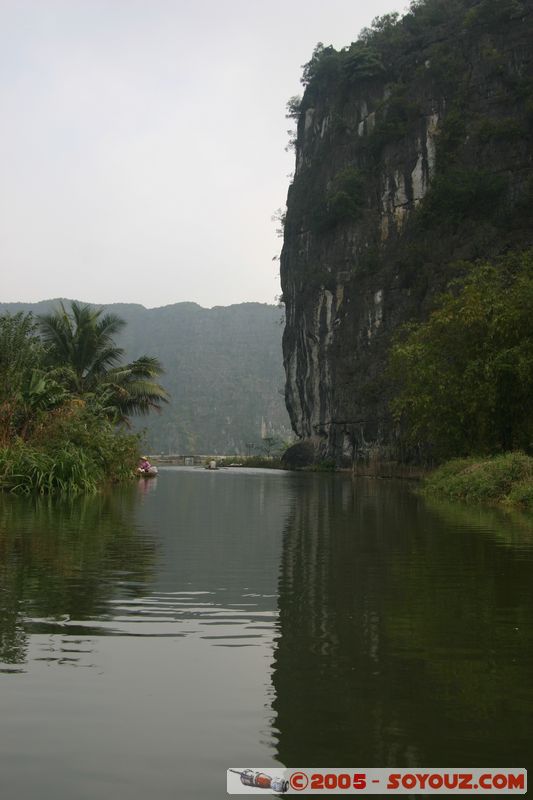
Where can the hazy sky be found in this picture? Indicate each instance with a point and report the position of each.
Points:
(142, 143)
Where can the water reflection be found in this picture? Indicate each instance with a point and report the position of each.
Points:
(405, 630)
(188, 554)
(62, 565)
(164, 597)
(249, 618)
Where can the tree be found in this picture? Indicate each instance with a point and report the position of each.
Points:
(269, 443)
(80, 345)
(293, 107)
(323, 64)
(464, 378)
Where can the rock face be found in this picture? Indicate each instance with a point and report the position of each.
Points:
(413, 152)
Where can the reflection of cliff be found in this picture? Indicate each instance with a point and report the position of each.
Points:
(403, 640)
(336, 700)
(61, 559)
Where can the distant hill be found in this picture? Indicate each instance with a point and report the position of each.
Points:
(223, 369)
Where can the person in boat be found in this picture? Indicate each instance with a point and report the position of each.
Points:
(144, 465)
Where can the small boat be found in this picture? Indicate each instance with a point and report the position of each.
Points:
(151, 472)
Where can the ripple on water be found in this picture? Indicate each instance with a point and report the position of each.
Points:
(167, 614)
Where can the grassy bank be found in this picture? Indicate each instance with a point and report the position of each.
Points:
(71, 450)
(505, 479)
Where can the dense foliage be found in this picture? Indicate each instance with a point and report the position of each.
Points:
(62, 394)
(464, 378)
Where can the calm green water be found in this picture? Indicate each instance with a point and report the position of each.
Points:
(151, 638)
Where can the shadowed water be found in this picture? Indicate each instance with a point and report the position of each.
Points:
(153, 636)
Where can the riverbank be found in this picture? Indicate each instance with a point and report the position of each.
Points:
(498, 480)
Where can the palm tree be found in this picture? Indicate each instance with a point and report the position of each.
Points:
(81, 347)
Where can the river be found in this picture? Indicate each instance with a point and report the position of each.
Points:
(157, 634)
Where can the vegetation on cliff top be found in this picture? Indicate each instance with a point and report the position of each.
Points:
(389, 51)
(63, 396)
(381, 47)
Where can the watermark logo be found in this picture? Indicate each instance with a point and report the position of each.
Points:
(407, 780)
(258, 779)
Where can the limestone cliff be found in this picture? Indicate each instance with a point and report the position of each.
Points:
(413, 151)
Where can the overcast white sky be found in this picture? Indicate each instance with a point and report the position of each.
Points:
(142, 143)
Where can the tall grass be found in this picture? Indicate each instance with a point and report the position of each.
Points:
(71, 455)
(26, 470)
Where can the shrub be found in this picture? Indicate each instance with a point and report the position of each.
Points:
(342, 203)
(460, 193)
